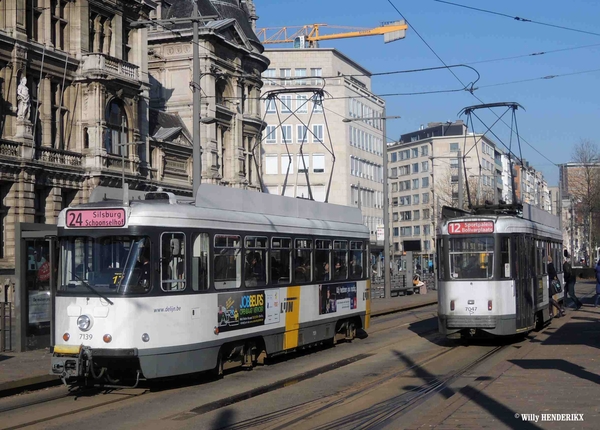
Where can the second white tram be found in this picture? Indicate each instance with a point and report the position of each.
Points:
(492, 274)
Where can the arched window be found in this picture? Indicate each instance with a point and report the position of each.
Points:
(116, 133)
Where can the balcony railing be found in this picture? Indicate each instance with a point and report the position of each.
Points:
(104, 63)
(58, 156)
(9, 149)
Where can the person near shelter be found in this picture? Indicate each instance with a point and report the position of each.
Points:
(570, 280)
(553, 277)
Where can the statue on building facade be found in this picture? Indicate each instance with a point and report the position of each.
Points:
(23, 104)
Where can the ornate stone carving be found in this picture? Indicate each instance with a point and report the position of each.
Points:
(23, 100)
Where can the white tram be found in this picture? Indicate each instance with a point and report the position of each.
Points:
(160, 287)
(492, 272)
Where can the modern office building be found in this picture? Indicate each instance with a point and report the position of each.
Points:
(323, 123)
(424, 176)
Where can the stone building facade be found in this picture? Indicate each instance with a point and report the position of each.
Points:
(231, 63)
(89, 119)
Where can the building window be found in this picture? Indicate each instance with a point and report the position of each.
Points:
(425, 213)
(405, 231)
(425, 182)
(40, 203)
(454, 163)
(416, 215)
(415, 184)
(394, 157)
(271, 162)
(454, 147)
(301, 104)
(33, 17)
(58, 29)
(425, 166)
(270, 106)
(300, 73)
(59, 116)
(286, 134)
(415, 152)
(318, 163)
(303, 163)
(395, 231)
(415, 168)
(286, 104)
(316, 73)
(100, 33)
(417, 230)
(405, 215)
(404, 201)
(424, 150)
(302, 132)
(426, 245)
(269, 73)
(317, 133)
(415, 199)
(425, 198)
(271, 132)
(426, 229)
(116, 129)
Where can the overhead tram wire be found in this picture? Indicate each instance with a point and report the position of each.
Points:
(541, 78)
(461, 82)
(518, 18)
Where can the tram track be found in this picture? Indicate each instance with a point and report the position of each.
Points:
(115, 396)
(124, 394)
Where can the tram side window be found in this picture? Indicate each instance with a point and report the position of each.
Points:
(303, 260)
(255, 274)
(356, 259)
(281, 256)
(505, 258)
(228, 261)
(340, 259)
(322, 260)
(200, 253)
(172, 258)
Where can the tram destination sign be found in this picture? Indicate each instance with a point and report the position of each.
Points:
(89, 218)
(471, 227)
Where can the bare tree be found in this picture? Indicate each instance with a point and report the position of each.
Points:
(584, 185)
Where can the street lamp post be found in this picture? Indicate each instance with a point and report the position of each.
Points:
(386, 214)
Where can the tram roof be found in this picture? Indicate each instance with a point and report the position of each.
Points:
(226, 207)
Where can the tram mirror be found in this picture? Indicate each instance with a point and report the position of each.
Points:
(175, 247)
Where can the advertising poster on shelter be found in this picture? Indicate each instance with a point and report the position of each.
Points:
(241, 310)
(337, 298)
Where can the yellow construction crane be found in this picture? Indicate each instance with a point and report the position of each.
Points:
(308, 36)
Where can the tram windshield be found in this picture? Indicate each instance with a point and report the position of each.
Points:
(472, 257)
(109, 265)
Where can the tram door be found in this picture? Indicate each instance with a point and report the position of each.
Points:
(524, 281)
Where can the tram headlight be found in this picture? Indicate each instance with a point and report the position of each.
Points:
(451, 305)
(84, 323)
(489, 305)
(107, 338)
(145, 337)
(66, 337)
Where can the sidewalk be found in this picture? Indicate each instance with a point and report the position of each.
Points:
(556, 372)
(20, 370)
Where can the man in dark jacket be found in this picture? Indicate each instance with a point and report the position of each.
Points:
(569, 276)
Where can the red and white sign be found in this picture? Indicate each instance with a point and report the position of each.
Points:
(471, 227)
(44, 272)
(90, 218)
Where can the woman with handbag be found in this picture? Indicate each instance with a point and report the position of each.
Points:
(554, 286)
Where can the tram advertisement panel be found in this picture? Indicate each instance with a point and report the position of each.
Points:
(339, 297)
(241, 310)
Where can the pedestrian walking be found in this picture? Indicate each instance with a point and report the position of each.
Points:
(570, 279)
(597, 283)
(552, 289)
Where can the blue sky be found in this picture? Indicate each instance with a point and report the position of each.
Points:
(558, 112)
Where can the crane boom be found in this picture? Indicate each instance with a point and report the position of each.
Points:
(309, 35)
